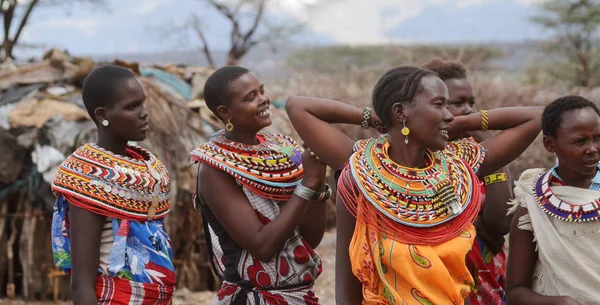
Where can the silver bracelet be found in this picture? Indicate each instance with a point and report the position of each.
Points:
(304, 192)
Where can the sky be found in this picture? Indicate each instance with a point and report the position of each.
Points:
(146, 26)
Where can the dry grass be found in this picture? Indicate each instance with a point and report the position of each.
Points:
(491, 92)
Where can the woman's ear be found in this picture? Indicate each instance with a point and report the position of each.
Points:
(224, 114)
(100, 114)
(549, 144)
(398, 112)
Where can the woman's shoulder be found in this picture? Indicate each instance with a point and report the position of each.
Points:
(362, 144)
(529, 178)
(525, 188)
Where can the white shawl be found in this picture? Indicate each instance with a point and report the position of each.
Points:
(568, 252)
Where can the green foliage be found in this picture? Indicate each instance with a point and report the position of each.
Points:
(575, 25)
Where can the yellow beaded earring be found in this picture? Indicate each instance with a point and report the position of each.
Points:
(405, 131)
(229, 126)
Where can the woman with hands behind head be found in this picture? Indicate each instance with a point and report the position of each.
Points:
(262, 199)
(487, 258)
(406, 205)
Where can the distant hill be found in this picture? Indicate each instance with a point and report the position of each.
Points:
(517, 57)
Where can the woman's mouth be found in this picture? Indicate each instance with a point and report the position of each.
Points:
(444, 133)
(144, 127)
(591, 163)
(264, 113)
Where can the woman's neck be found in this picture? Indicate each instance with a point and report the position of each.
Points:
(409, 155)
(572, 178)
(111, 143)
(248, 138)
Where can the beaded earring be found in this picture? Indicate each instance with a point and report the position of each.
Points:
(405, 131)
(229, 126)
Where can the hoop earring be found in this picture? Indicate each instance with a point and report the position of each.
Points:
(229, 126)
(105, 123)
(405, 131)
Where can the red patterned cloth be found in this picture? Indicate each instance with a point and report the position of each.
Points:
(117, 291)
(286, 279)
(489, 272)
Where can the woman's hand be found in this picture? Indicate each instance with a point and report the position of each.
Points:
(314, 170)
(375, 123)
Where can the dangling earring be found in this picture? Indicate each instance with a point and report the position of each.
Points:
(405, 131)
(229, 126)
(105, 123)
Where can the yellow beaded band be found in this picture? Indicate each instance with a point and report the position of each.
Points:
(484, 120)
(495, 178)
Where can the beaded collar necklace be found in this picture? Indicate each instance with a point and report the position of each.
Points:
(469, 150)
(114, 185)
(272, 169)
(560, 209)
(414, 197)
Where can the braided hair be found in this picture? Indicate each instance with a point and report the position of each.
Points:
(446, 69)
(552, 116)
(400, 84)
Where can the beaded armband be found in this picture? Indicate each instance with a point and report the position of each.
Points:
(495, 178)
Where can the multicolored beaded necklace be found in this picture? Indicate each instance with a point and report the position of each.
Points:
(560, 209)
(272, 169)
(469, 150)
(113, 185)
(414, 197)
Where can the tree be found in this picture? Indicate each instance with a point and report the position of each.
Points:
(258, 29)
(575, 24)
(16, 13)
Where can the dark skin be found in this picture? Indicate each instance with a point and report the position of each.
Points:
(577, 147)
(312, 119)
(493, 223)
(128, 121)
(218, 190)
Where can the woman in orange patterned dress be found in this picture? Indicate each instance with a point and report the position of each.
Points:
(406, 203)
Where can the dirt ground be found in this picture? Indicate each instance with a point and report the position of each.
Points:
(324, 285)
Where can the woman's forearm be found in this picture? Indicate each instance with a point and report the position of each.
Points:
(330, 111)
(498, 119)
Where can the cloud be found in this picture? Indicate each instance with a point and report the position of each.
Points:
(467, 3)
(360, 21)
(365, 22)
(146, 7)
(87, 26)
(528, 2)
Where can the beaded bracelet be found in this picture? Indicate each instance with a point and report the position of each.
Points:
(323, 196)
(484, 120)
(366, 116)
(495, 178)
(310, 195)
